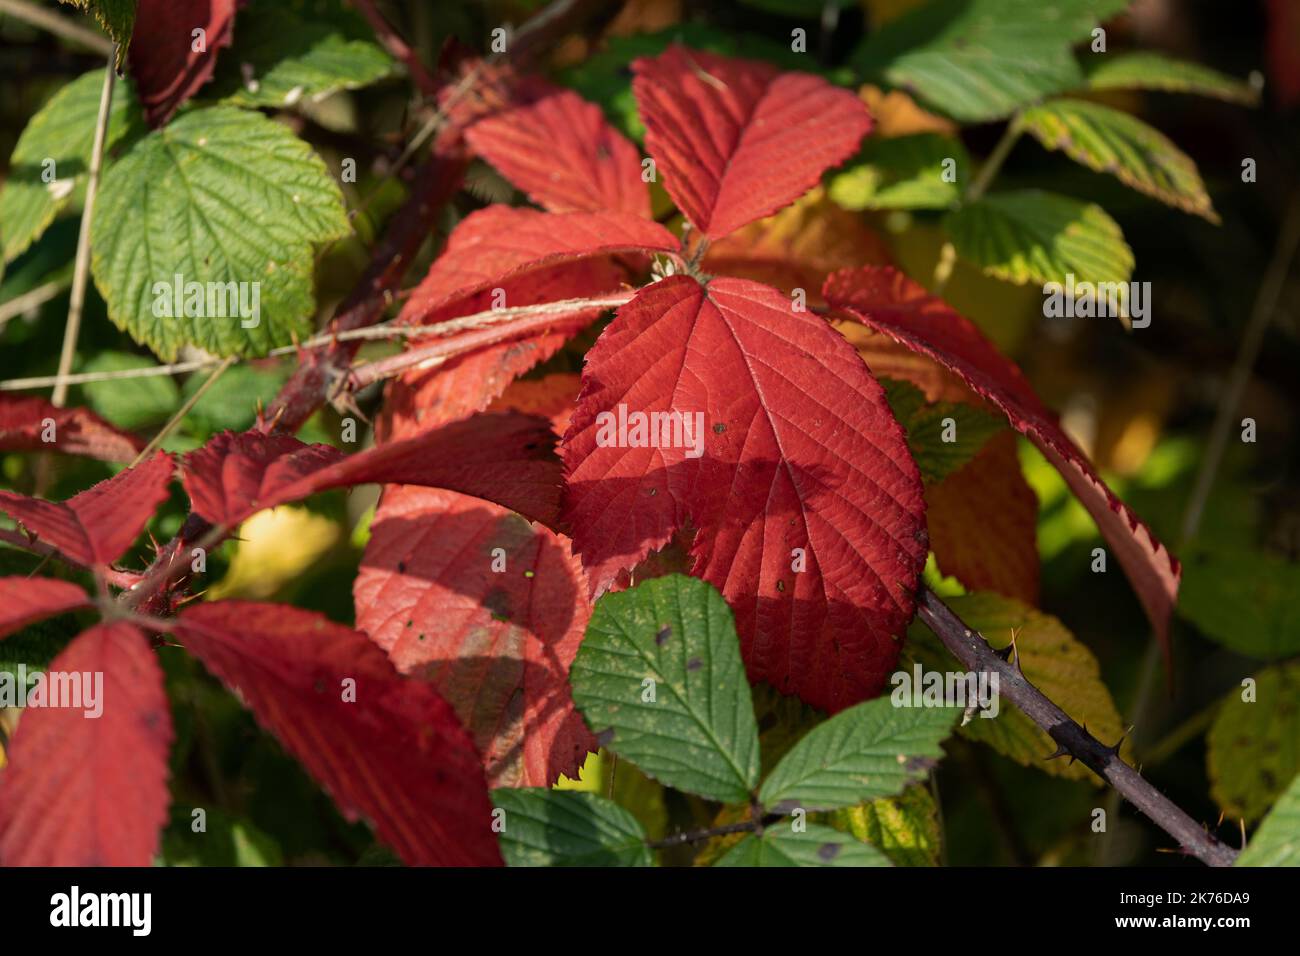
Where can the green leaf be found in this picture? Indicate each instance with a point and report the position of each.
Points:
(217, 196)
(871, 750)
(234, 398)
(130, 403)
(1277, 841)
(1110, 141)
(287, 55)
(981, 60)
(905, 828)
(1052, 659)
(117, 17)
(902, 172)
(568, 828)
(1033, 236)
(62, 131)
(1253, 748)
(927, 423)
(816, 846)
(1154, 71)
(660, 681)
(1246, 600)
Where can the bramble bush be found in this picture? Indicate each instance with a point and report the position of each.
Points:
(597, 444)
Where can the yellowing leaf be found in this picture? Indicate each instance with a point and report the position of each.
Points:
(276, 546)
(1253, 748)
(905, 828)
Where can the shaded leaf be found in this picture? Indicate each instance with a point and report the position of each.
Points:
(903, 172)
(736, 140)
(96, 526)
(786, 461)
(385, 748)
(568, 828)
(490, 610)
(983, 522)
(130, 403)
(659, 680)
(82, 791)
(1246, 600)
(927, 424)
(1253, 748)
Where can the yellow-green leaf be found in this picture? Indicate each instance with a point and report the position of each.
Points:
(1111, 141)
(905, 828)
(1253, 748)
(1277, 841)
(1034, 236)
(1153, 71)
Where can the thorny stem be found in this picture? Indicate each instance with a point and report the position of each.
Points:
(697, 836)
(969, 647)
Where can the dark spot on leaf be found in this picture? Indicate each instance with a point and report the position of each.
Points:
(920, 764)
(401, 567)
(719, 428)
(497, 601)
(694, 664)
(605, 737)
(780, 585)
(828, 851)
(664, 633)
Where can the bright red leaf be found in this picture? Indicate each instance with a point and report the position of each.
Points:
(801, 466)
(25, 423)
(507, 458)
(491, 610)
(97, 525)
(735, 140)
(86, 790)
(564, 155)
(24, 601)
(554, 397)
(500, 243)
(385, 748)
(891, 303)
(167, 61)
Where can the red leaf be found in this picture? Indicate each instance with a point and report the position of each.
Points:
(493, 631)
(91, 791)
(428, 398)
(163, 62)
(890, 302)
(506, 458)
(76, 431)
(384, 748)
(983, 523)
(735, 139)
(800, 450)
(500, 243)
(24, 601)
(554, 397)
(96, 526)
(564, 155)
